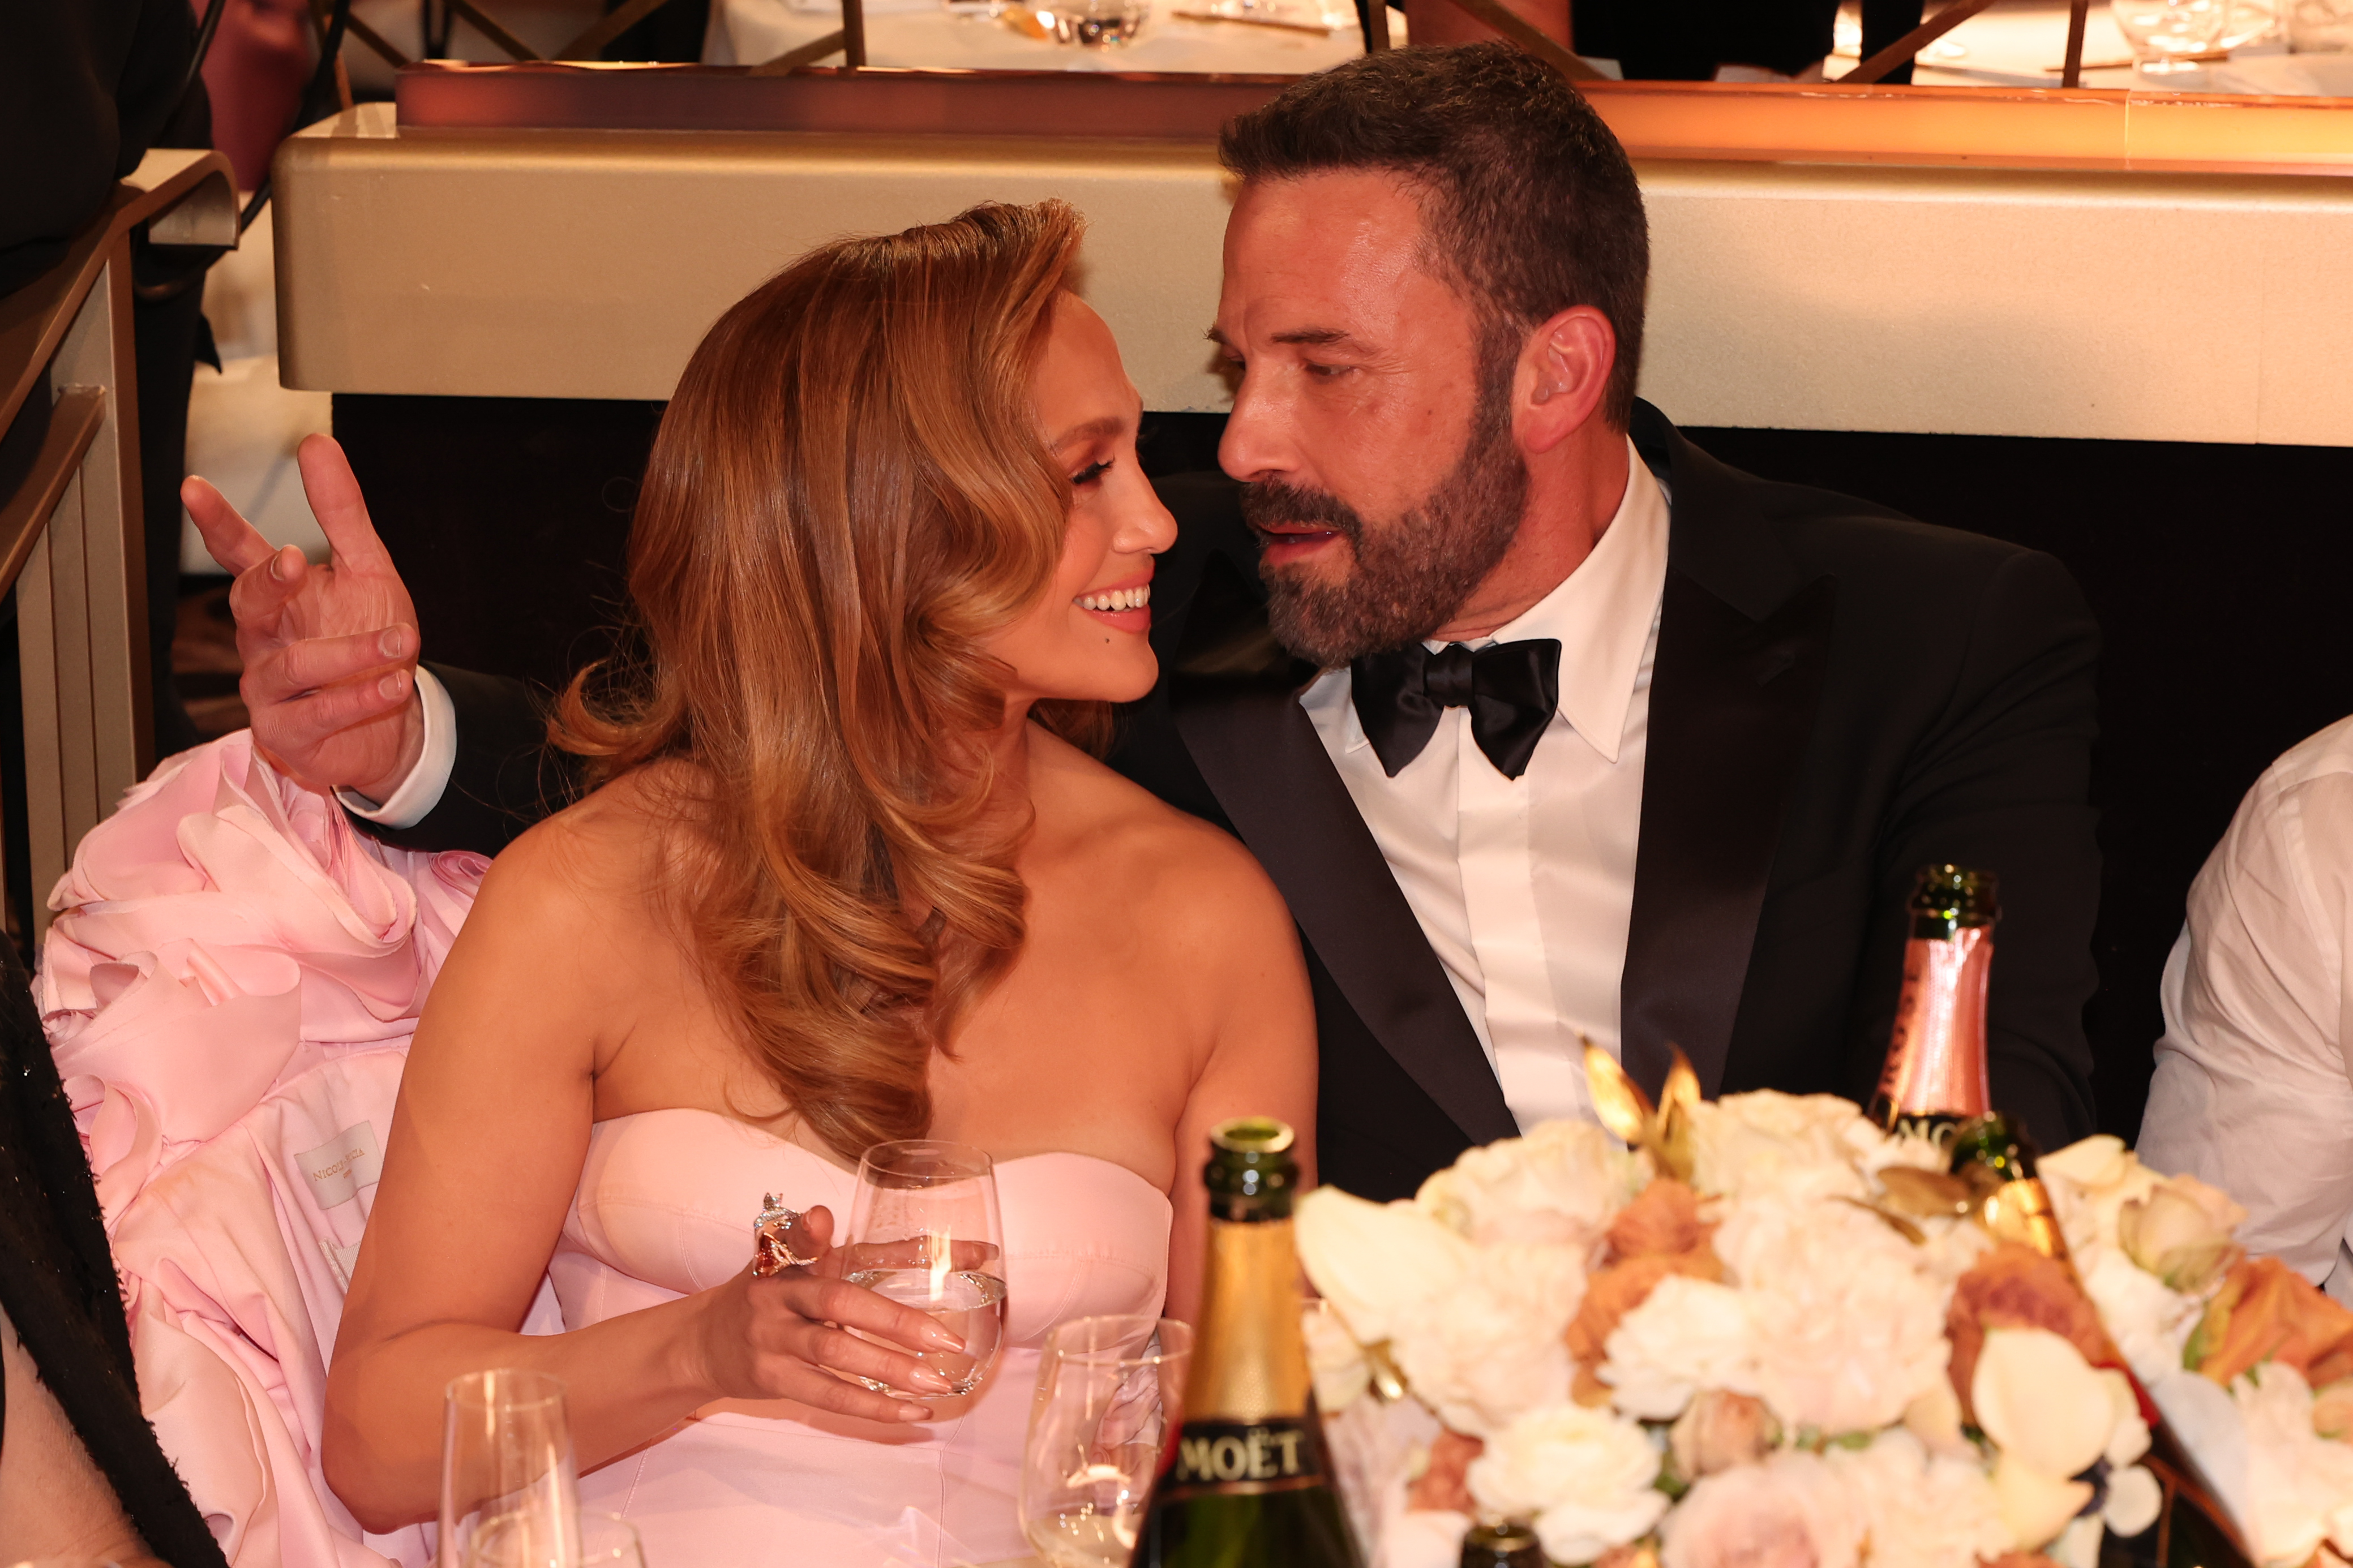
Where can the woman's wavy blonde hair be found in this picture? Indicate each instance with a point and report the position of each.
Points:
(849, 494)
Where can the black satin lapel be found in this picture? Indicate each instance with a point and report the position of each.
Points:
(1261, 757)
(1732, 704)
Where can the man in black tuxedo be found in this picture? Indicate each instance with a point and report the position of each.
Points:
(1547, 725)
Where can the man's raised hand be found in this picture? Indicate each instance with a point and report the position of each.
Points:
(329, 651)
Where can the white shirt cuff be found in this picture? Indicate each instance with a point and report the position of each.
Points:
(421, 791)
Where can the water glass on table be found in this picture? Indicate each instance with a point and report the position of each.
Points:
(506, 1454)
(1109, 1391)
(1093, 23)
(924, 1231)
(523, 1541)
(2171, 36)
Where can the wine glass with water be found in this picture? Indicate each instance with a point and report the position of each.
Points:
(924, 1231)
(1109, 1391)
(506, 1455)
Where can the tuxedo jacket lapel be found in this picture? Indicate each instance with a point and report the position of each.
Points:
(1261, 757)
(1743, 640)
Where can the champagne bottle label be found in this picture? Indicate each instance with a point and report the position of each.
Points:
(1236, 1456)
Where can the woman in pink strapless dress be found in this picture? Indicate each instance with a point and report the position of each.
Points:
(851, 875)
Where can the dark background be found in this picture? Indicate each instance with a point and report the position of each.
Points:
(2218, 574)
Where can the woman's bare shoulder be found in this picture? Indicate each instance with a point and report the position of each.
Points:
(1185, 868)
(600, 859)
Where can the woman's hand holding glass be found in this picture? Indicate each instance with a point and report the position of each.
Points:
(808, 1334)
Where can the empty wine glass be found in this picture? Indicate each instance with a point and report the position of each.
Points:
(522, 1541)
(1109, 1393)
(2167, 37)
(924, 1233)
(1095, 22)
(506, 1452)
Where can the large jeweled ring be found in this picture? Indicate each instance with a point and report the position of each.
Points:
(780, 1239)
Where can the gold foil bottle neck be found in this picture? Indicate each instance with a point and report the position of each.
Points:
(1249, 1362)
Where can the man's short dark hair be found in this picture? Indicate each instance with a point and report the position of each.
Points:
(1531, 202)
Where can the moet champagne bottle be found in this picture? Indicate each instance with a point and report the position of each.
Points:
(1246, 1484)
(1936, 1072)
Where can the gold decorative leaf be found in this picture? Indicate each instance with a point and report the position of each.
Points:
(1895, 1222)
(1618, 1099)
(1927, 1193)
(1682, 1088)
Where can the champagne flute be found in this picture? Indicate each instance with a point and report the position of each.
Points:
(1110, 1392)
(924, 1233)
(520, 1540)
(506, 1452)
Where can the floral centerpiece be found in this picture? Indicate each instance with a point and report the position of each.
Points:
(1768, 1336)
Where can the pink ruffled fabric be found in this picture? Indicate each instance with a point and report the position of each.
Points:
(229, 987)
(216, 934)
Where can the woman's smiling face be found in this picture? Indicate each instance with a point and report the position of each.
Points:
(1088, 638)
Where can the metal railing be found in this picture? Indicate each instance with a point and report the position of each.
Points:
(73, 537)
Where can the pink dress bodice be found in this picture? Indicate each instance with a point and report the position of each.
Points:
(665, 1208)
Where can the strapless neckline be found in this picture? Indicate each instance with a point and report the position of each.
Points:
(664, 1208)
(852, 1176)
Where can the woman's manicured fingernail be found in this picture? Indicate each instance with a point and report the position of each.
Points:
(914, 1413)
(932, 1382)
(935, 1334)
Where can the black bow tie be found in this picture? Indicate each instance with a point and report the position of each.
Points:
(1511, 688)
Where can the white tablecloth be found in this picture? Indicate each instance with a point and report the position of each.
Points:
(744, 32)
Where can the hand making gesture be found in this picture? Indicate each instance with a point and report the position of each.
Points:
(329, 651)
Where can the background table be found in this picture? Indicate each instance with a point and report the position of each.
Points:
(743, 31)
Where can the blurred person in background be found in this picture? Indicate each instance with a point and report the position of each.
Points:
(87, 87)
(2252, 1091)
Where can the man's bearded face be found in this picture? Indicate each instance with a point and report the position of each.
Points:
(1399, 578)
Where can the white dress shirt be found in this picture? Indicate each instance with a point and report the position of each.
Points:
(1525, 887)
(421, 791)
(2252, 1091)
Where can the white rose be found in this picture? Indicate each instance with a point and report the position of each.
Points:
(1585, 1476)
(1374, 1261)
(1688, 1334)
(1334, 1358)
(2040, 1402)
(1794, 1145)
(2134, 1501)
(1922, 1510)
(2090, 1182)
(1493, 1347)
(2035, 1505)
(1561, 1183)
(2299, 1484)
(1789, 1513)
(1847, 1323)
(2150, 1320)
(2181, 1232)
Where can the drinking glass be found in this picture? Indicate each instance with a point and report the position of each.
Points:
(522, 1541)
(2319, 27)
(506, 1450)
(1094, 23)
(1110, 1392)
(924, 1233)
(2165, 35)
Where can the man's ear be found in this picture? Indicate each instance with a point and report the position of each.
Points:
(1562, 377)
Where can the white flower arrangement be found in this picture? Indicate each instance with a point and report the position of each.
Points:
(1761, 1337)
